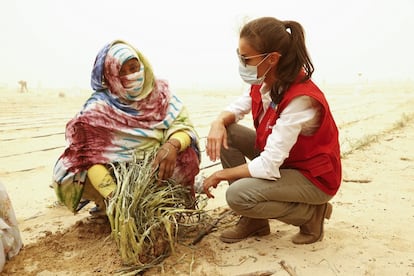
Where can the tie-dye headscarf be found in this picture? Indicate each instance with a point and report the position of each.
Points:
(128, 87)
(108, 62)
(110, 127)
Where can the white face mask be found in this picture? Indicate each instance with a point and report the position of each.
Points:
(133, 83)
(249, 73)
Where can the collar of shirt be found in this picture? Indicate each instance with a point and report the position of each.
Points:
(266, 99)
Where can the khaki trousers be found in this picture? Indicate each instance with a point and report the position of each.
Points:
(291, 199)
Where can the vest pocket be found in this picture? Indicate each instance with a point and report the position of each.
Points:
(320, 165)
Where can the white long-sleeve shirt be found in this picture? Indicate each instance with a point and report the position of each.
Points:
(301, 116)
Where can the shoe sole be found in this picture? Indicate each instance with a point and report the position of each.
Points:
(261, 232)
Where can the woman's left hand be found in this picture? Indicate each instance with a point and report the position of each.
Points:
(165, 161)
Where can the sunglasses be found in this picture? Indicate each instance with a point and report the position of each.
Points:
(243, 60)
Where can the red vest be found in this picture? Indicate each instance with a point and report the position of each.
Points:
(317, 157)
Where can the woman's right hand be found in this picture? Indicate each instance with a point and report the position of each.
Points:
(211, 182)
(217, 137)
(165, 161)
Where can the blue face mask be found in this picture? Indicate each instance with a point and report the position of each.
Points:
(248, 73)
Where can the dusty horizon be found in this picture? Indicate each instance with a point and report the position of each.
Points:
(346, 41)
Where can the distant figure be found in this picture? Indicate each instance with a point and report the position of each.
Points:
(10, 239)
(23, 86)
(359, 85)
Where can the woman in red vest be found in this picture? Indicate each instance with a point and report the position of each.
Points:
(294, 166)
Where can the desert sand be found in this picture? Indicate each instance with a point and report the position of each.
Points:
(369, 233)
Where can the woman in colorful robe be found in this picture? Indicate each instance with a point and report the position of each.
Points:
(129, 113)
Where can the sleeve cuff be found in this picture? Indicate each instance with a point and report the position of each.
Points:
(183, 138)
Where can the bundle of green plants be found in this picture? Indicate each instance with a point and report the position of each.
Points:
(146, 215)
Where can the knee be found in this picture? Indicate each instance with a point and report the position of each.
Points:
(235, 198)
(231, 197)
(231, 131)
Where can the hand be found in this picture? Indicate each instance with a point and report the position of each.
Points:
(217, 137)
(165, 161)
(211, 181)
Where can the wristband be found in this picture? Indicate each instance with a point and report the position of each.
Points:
(183, 138)
(174, 146)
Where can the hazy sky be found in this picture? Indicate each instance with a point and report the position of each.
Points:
(192, 43)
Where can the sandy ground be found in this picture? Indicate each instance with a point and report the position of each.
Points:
(370, 232)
